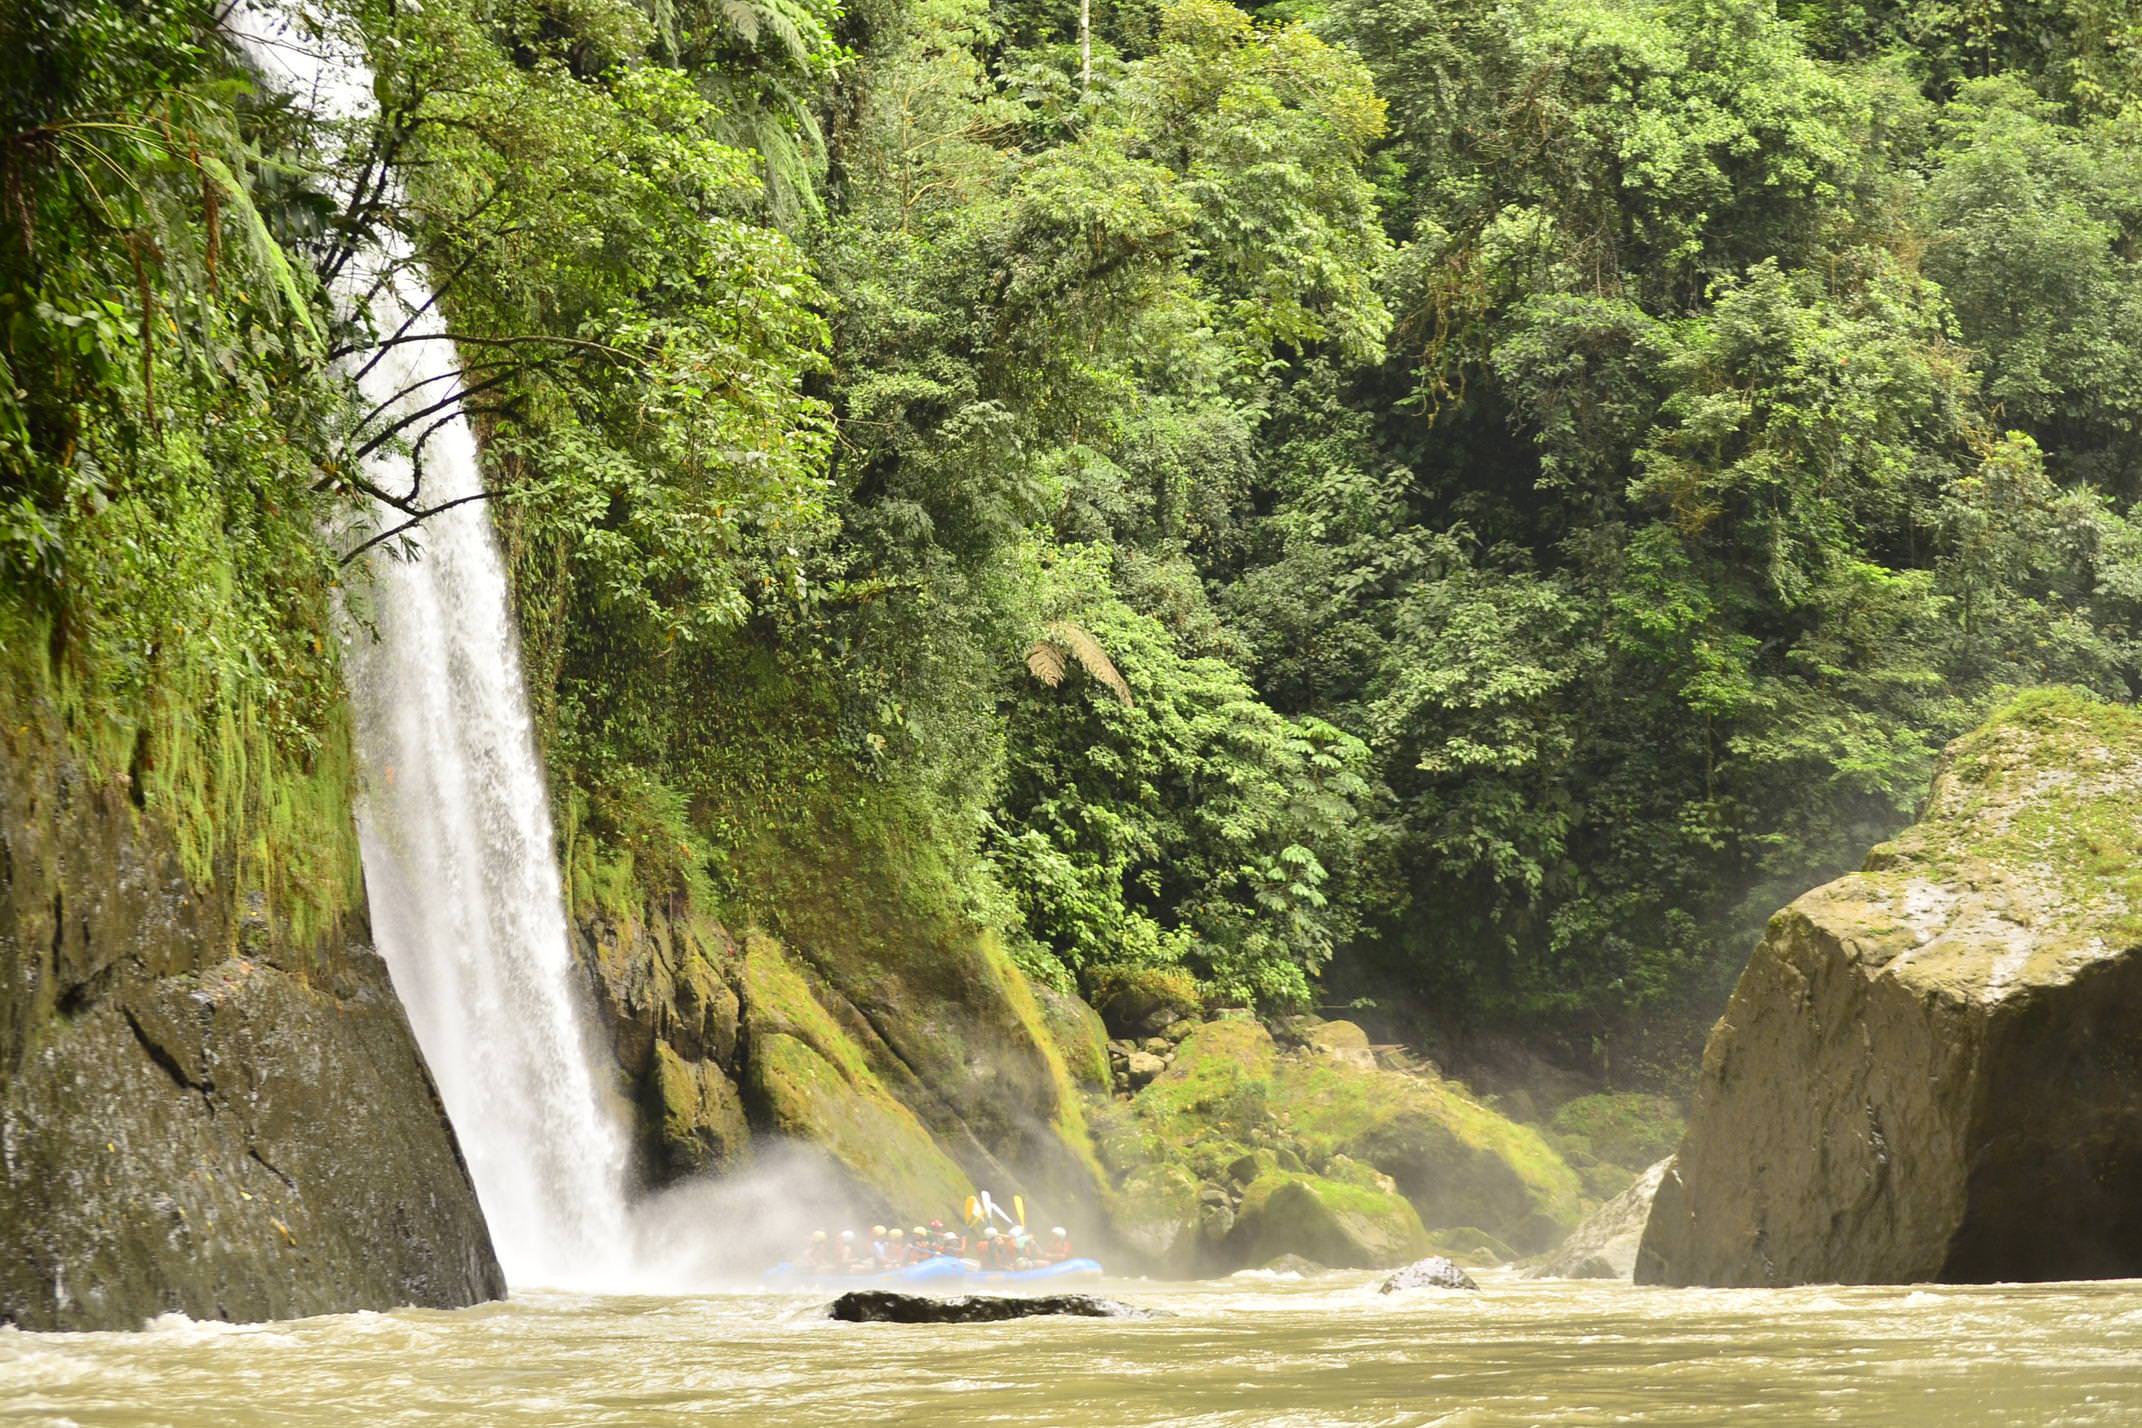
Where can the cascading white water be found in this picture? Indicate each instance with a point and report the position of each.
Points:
(455, 822)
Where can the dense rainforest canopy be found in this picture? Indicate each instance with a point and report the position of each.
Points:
(1464, 503)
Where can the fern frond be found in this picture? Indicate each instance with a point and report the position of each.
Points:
(1045, 662)
(743, 19)
(1049, 657)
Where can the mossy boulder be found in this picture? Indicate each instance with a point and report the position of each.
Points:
(861, 893)
(1138, 1002)
(1342, 1224)
(1342, 1041)
(718, 1044)
(1080, 1038)
(1458, 1161)
(1930, 1068)
(1158, 1219)
(1233, 1102)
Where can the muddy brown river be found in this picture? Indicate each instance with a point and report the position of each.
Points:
(1327, 1350)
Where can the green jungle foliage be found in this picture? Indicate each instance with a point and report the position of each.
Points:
(1466, 504)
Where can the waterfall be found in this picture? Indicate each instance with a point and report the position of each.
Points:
(454, 820)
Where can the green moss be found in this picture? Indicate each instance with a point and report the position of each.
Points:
(809, 1080)
(258, 807)
(1343, 1225)
(1630, 1130)
(2047, 790)
(1206, 1108)
(1230, 1091)
(1069, 1121)
(1075, 1030)
(1131, 995)
(696, 1118)
(1447, 1150)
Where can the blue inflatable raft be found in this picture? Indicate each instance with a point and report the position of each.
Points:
(945, 1271)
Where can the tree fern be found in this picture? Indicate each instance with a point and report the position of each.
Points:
(1050, 658)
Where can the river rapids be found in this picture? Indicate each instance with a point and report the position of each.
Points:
(1265, 1351)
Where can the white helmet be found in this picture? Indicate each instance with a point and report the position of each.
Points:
(1057, 1230)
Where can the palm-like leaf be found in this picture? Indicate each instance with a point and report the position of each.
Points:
(1050, 658)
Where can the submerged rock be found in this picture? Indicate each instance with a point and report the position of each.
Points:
(1293, 1264)
(1930, 1069)
(884, 1306)
(1434, 1272)
(1605, 1245)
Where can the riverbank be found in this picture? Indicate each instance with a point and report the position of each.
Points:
(1262, 1350)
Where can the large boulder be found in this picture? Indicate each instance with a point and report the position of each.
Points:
(843, 1000)
(1459, 1161)
(1346, 1225)
(809, 1080)
(1605, 1245)
(209, 1104)
(1930, 1069)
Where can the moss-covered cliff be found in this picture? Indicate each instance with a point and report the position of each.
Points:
(857, 1013)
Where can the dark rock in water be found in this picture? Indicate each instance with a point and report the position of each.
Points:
(1434, 1272)
(201, 1115)
(884, 1306)
(1931, 1068)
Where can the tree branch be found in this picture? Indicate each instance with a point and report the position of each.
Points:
(416, 520)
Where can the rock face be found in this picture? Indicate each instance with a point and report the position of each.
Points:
(883, 1306)
(199, 1110)
(922, 1070)
(1605, 1245)
(1930, 1069)
(1435, 1272)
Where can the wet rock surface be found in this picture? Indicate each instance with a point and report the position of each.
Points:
(727, 1043)
(196, 1115)
(883, 1306)
(1605, 1245)
(1930, 1069)
(1435, 1272)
